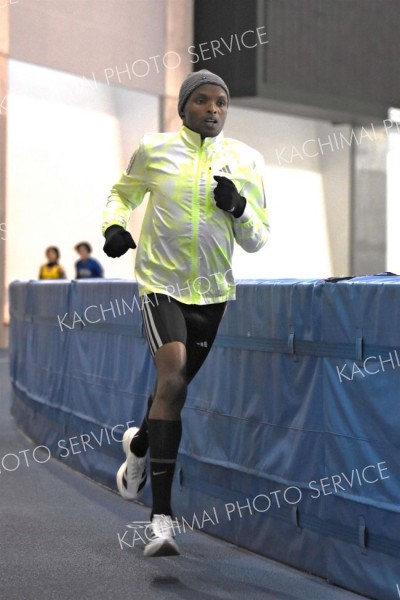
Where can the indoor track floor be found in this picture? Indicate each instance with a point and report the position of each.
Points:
(59, 541)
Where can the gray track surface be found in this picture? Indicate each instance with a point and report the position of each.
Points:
(59, 541)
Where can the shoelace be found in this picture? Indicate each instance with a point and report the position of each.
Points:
(163, 527)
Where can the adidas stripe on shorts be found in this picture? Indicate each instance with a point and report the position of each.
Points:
(167, 320)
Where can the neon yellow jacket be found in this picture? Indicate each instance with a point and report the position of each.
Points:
(186, 242)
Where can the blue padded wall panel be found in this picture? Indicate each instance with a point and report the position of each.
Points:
(268, 411)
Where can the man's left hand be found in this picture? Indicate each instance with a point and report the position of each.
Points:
(227, 197)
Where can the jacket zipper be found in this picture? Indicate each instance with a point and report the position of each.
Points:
(195, 221)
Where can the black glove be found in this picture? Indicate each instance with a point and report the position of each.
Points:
(118, 241)
(227, 197)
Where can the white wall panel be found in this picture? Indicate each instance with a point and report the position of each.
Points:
(67, 144)
(299, 195)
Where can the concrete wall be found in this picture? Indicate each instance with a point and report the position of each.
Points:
(93, 38)
(368, 252)
(308, 195)
(4, 43)
(67, 145)
(393, 195)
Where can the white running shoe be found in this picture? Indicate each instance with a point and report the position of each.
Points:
(131, 475)
(162, 537)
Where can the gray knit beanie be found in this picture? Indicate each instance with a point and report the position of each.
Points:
(195, 80)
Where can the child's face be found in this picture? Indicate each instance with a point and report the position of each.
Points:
(83, 253)
(51, 255)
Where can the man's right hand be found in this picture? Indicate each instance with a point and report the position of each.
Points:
(118, 241)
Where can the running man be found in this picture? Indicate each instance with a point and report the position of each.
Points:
(206, 192)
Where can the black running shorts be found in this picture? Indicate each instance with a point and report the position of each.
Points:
(167, 320)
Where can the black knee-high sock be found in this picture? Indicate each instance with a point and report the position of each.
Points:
(140, 443)
(164, 439)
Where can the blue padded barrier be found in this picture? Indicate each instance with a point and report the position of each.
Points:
(302, 385)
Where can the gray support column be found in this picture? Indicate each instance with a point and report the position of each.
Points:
(3, 150)
(393, 191)
(178, 38)
(368, 238)
(335, 169)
